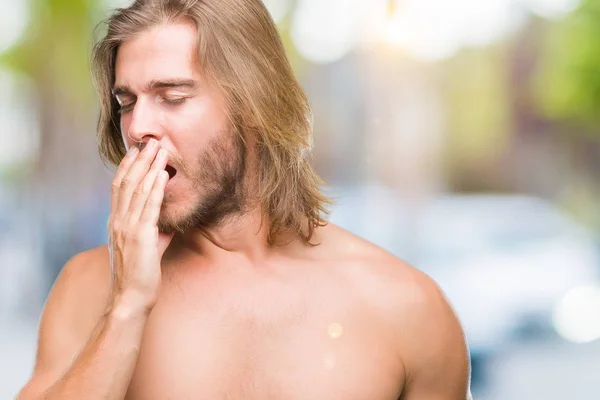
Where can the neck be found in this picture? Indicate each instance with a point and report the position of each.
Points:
(244, 235)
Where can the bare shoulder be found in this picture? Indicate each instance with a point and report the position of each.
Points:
(73, 308)
(80, 289)
(372, 267)
(428, 336)
(78, 297)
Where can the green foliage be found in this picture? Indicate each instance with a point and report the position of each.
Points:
(478, 115)
(568, 83)
(55, 49)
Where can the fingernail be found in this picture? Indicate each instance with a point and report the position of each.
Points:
(152, 143)
(162, 153)
(131, 150)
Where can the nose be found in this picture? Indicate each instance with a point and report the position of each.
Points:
(143, 125)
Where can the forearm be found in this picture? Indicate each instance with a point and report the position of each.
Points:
(104, 367)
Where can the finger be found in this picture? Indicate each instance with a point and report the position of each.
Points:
(124, 167)
(141, 193)
(134, 176)
(153, 204)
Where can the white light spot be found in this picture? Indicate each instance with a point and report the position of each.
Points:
(435, 29)
(335, 330)
(13, 22)
(324, 32)
(577, 315)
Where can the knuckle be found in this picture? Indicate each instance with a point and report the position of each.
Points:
(122, 234)
(127, 181)
(115, 225)
(138, 190)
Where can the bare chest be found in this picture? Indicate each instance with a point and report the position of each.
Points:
(266, 345)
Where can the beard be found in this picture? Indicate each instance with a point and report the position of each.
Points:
(218, 180)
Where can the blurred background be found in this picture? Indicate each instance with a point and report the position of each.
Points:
(463, 136)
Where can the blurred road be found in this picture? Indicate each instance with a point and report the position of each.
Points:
(554, 370)
(540, 371)
(17, 352)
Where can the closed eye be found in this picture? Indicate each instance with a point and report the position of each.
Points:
(178, 100)
(126, 108)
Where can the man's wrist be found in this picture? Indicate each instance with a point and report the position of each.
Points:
(129, 305)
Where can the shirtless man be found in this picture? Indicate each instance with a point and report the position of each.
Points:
(220, 279)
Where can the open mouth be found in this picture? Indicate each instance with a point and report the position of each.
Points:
(171, 171)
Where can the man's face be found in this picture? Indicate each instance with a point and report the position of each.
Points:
(163, 96)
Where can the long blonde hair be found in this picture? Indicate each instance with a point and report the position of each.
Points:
(240, 50)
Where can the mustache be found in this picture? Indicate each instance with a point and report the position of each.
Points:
(175, 160)
(178, 163)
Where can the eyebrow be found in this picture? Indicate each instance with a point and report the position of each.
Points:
(157, 84)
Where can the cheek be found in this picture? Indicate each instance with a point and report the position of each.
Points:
(194, 132)
(193, 127)
(205, 114)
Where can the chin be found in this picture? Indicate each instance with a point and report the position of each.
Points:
(174, 217)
